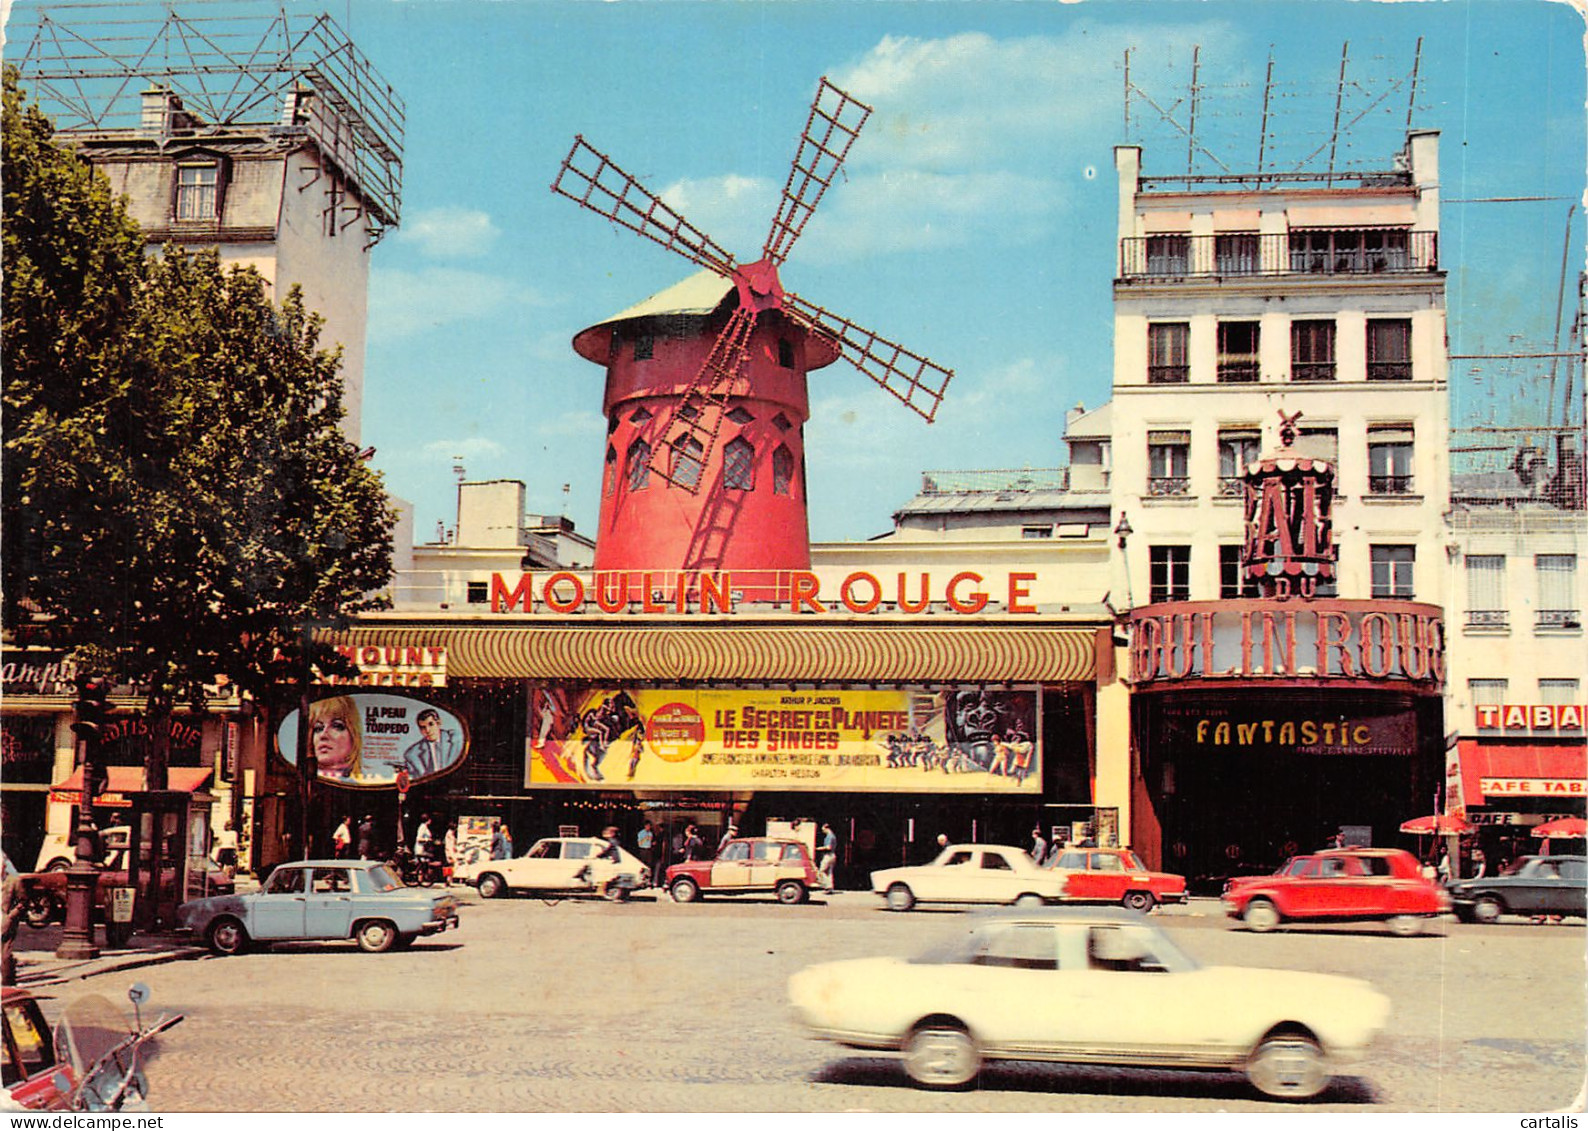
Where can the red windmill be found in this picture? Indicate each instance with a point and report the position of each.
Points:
(705, 393)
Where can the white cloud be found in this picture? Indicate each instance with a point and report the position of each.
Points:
(404, 303)
(450, 233)
(733, 210)
(473, 447)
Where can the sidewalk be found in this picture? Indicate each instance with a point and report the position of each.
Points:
(37, 966)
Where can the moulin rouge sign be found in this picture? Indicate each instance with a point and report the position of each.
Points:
(684, 593)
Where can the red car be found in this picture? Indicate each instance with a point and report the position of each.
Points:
(1340, 885)
(31, 1070)
(44, 893)
(1116, 875)
(750, 864)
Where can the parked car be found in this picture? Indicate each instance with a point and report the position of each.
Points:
(59, 851)
(91, 1060)
(1116, 875)
(44, 893)
(1532, 885)
(1096, 986)
(1339, 885)
(970, 873)
(558, 864)
(322, 899)
(34, 1079)
(748, 865)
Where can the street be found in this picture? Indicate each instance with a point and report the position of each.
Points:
(657, 1006)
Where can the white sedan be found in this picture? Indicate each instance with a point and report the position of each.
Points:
(969, 873)
(1093, 987)
(559, 864)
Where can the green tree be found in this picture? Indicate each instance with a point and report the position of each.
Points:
(178, 494)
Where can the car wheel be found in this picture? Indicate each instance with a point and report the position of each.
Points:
(1487, 909)
(1288, 1066)
(38, 910)
(685, 890)
(790, 891)
(1260, 916)
(375, 936)
(492, 886)
(1405, 926)
(941, 1055)
(59, 864)
(227, 936)
(1139, 901)
(1029, 899)
(900, 897)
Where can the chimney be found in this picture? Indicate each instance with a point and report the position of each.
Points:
(157, 106)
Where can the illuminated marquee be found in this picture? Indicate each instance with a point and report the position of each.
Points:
(693, 592)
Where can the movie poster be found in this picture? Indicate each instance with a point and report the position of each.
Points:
(363, 739)
(958, 741)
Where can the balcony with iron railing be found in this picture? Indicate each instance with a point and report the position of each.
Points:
(1488, 618)
(1179, 257)
(1168, 486)
(1559, 619)
(1389, 484)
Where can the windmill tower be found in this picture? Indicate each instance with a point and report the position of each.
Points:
(706, 395)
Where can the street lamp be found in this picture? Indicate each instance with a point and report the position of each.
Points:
(1122, 528)
(82, 878)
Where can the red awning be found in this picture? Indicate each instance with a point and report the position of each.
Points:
(1492, 773)
(122, 780)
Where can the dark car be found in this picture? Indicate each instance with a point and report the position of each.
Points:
(44, 893)
(751, 864)
(1532, 885)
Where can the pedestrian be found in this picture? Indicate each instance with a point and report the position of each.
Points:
(827, 856)
(449, 851)
(728, 834)
(694, 847)
(1480, 863)
(342, 838)
(226, 850)
(645, 841)
(499, 849)
(1443, 867)
(662, 848)
(366, 836)
(942, 841)
(423, 837)
(1039, 847)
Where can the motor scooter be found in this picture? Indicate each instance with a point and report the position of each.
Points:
(106, 1054)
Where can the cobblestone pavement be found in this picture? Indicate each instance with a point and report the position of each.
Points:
(655, 1006)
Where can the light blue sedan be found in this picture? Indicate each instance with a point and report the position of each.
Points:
(322, 899)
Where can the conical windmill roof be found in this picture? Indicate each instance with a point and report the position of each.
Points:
(700, 295)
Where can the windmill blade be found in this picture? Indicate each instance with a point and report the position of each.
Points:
(917, 381)
(590, 178)
(689, 436)
(835, 120)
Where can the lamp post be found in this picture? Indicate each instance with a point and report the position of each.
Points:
(82, 878)
(1123, 530)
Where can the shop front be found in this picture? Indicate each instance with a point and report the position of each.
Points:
(1265, 727)
(1521, 766)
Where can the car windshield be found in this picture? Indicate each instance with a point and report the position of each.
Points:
(380, 878)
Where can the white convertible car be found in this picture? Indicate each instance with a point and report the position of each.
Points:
(1093, 987)
(969, 873)
(557, 864)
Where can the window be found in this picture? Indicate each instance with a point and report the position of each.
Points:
(1312, 350)
(1169, 573)
(1023, 946)
(573, 850)
(478, 592)
(286, 881)
(1036, 532)
(644, 347)
(1487, 692)
(1558, 692)
(1168, 463)
(738, 465)
(330, 880)
(1168, 353)
(740, 415)
(639, 465)
(196, 194)
(1486, 591)
(1238, 450)
(1319, 442)
(782, 470)
(1349, 251)
(1237, 352)
(640, 415)
(1389, 349)
(1236, 253)
(1233, 582)
(609, 475)
(782, 422)
(1557, 591)
(1389, 459)
(1168, 255)
(994, 862)
(738, 850)
(1392, 568)
(689, 460)
(785, 353)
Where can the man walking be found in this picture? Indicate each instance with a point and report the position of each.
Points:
(827, 856)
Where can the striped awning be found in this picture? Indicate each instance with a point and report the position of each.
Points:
(805, 653)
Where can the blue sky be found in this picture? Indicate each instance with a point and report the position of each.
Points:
(975, 223)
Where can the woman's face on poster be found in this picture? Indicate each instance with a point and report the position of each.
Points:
(333, 745)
